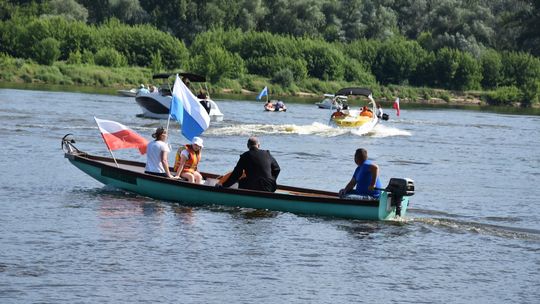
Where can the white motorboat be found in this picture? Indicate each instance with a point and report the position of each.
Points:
(363, 119)
(332, 101)
(158, 104)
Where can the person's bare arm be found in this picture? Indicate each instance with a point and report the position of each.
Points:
(165, 162)
(350, 185)
(374, 169)
(183, 160)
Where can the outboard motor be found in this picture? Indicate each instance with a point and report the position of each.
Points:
(399, 187)
(385, 116)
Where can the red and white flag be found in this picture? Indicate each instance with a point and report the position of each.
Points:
(396, 106)
(117, 136)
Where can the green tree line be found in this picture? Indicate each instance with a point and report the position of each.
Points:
(48, 31)
(466, 25)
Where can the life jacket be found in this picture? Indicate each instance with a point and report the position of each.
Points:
(191, 163)
(366, 112)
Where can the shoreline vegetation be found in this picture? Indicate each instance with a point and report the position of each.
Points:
(80, 45)
(60, 76)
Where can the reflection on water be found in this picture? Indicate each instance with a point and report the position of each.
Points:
(184, 214)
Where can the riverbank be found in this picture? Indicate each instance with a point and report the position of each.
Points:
(306, 98)
(468, 100)
(25, 74)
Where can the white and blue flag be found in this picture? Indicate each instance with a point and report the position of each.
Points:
(264, 92)
(186, 109)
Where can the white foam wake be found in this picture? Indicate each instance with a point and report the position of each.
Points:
(315, 128)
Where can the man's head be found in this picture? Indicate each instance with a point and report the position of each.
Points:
(360, 156)
(253, 143)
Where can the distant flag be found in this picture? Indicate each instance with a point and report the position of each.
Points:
(186, 109)
(264, 92)
(117, 136)
(396, 106)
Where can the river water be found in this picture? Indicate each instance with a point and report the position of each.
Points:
(473, 234)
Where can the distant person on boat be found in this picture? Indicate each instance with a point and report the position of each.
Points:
(187, 159)
(280, 106)
(185, 80)
(153, 89)
(366, 112)
(157, 153)
(380, 113)
(269, 106)
(260, 167)
(337, 113)
(143, 89)
(204, 101)
(365, 177)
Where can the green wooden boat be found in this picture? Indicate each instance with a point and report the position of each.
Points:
(130, 176)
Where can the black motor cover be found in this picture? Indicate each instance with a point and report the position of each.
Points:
(401, 186)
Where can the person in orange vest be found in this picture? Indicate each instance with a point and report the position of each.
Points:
(366, 112)
(187, 159)
(337, 114)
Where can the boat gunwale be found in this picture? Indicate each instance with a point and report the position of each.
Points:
(301, 194)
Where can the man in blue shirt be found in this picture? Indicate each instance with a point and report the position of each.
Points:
(365, 177)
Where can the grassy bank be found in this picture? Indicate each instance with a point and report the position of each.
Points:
(77, 77)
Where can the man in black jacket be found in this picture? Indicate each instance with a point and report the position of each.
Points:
(260, 167)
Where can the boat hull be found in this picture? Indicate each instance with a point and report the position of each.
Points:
(352, 122)
(130, 176)
(157, 106)
(361, 124)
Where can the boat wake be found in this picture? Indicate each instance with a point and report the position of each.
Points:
(464, 226)
(315, 128)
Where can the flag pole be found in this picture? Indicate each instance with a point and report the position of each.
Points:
(168, 120)
(114, 158)
(169, 117)
(108, 148)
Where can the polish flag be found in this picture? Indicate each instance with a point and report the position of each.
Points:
(117, 136)
(396, 106)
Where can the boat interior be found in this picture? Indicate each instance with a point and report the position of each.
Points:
(210, 179)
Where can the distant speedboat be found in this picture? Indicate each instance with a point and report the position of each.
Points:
(158, 104)
(365, 118)
(331, 101)
(275, 106)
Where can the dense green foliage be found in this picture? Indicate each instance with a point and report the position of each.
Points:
(447, 44)
(110, 57)
(472, 26)
(60, 73)
(137, 44)
(47, 51)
